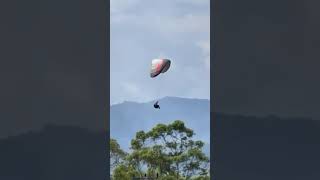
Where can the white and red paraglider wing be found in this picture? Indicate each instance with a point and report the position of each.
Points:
(159, 66)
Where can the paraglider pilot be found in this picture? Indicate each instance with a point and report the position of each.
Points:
(156, 105)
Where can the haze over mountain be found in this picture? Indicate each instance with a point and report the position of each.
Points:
(127, 118)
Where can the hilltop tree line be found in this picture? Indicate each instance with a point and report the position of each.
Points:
(166, 152)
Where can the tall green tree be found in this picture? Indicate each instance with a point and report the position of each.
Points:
(117, 155)
(124, 172)
(170, 151)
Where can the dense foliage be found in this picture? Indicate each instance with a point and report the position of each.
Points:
(166, 151)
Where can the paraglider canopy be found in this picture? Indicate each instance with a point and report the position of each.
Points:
(159, 66)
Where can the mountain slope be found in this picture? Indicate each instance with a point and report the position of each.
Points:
(129, 117)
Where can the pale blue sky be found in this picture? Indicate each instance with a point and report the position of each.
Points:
(145, 29)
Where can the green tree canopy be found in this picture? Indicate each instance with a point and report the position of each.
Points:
(170, 150)
(167, 150)
(117, 155)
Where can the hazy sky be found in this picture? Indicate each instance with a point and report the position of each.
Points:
(142, 30)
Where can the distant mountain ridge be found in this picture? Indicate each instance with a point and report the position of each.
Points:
(129, 117)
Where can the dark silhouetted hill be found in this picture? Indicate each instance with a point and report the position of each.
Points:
(251, 148)
(56, 152)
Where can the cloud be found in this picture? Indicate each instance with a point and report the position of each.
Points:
(205, 47)
(195, 2)
(131, 88)
(121, 6)
(168, 17)
(174, 29)
(135, 6)
(188, 23)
